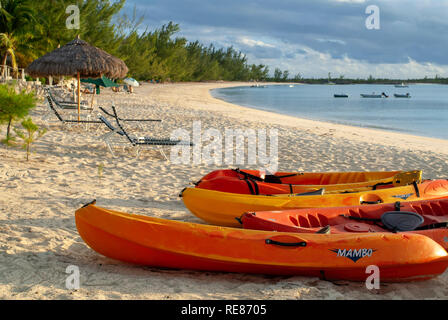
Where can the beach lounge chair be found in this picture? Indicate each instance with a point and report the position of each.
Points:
(70, 121)
(138, 122)
(53, 91)
(137, 142)
(66, 105)
(108, 137)
(128, 120)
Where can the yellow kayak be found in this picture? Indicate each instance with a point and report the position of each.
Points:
(222, 208)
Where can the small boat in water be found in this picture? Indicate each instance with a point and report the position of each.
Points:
(341, 95)
(373, 95)
(407, 95)
(402, 85)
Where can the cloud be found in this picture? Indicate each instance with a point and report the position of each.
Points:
(332, 41)
(333, 31)
(350, 1)
(317, 64)
(254, 43)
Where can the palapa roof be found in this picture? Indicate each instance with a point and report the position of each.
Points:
(78, 56)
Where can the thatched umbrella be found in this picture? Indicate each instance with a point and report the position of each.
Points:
(78, 59)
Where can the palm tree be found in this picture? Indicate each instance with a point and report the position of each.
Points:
(16, 17)
(8, 43)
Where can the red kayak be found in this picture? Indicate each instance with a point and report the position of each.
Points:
(427, 217)
(256, 182)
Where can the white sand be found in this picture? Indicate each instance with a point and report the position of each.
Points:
(38, 236)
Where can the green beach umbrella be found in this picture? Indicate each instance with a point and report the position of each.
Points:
(100, 82)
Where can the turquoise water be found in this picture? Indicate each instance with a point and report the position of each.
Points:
(424, 114)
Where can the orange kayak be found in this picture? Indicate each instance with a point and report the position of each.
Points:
(163, 243)
(222, 208)
(355, 219)
(256, 182)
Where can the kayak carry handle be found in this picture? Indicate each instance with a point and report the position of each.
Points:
(371, 202)
(286, 244)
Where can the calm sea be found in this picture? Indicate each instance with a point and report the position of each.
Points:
(424, 114)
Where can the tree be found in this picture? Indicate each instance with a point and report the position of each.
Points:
(297, 77)
(278, 75)
(8, 43)
(258, 73)
(157, 54)
(28, 136)
(16, 16)
(14, 106)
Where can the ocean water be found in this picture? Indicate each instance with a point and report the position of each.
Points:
(424, 114)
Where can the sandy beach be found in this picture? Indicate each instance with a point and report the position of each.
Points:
(71, 166)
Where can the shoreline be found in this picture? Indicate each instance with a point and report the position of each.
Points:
(387, 138)
(328, 121)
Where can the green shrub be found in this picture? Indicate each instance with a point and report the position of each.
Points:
(29, 136)
(14, 106)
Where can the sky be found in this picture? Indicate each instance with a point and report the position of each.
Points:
(316, 37)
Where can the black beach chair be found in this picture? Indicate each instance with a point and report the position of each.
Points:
(70, 121)
(138, 142)
(66, 105)
(108, 137)
(128, 120)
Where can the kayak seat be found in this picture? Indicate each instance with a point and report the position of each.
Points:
(401, 220)
(395, 221)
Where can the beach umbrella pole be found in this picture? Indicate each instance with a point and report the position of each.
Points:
(93, 96)
(79, 97)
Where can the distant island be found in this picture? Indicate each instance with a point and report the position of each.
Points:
(362, 81)
(283, 76)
